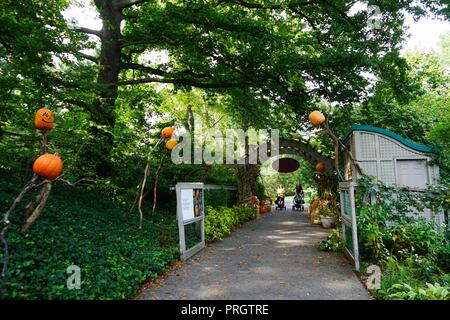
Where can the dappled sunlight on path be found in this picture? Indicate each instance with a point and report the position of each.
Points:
(273, 257)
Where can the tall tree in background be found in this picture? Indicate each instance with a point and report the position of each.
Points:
(275, 59)
(292, 53)
(35, 42)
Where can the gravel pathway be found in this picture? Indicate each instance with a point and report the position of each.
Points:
(273, 257)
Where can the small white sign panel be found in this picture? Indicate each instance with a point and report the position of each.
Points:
(187, 204)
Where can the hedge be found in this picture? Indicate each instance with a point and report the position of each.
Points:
(221, 221)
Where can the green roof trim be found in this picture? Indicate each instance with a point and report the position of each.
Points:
(390, 134)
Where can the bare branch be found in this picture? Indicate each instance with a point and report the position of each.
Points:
(79, 182)
(40, 203)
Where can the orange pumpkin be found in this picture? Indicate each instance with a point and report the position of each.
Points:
(171, 144)
(167, 132)
(196, 211)
(48, 166)
(320, 166)
(43, 119)
(316, 118)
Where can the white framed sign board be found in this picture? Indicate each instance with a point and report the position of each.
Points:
(190, 214)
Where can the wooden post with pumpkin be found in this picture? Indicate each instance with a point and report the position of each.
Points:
(48, 167)
(318, 119)
(166, 133)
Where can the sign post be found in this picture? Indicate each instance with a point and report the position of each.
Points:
(191, 218)
(349, 225)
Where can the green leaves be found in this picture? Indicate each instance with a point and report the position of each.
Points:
(403, 291)
(220, 222)
(88, 230)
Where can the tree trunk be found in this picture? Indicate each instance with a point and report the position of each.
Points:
(108, 76)
(247, 176)
(328, 186)
(40, 204)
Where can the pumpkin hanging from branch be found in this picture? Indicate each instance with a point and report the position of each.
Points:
(43, 119)
(316, 118)
(320, 166)
(167, 132)
(171, 144)
(48, 166)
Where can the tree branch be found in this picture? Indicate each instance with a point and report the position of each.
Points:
(190, 82)
(250, 5)
(129, 3)
(311, 23)
(87, 57)
(137, 66)
(97, 33)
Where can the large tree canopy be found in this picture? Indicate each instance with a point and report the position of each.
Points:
(291, 53)
(268, 63)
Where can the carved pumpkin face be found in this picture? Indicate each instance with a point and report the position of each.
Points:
(48, 166)
(43, 120)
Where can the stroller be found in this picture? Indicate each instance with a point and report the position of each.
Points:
(280, 203)
(298, 198)
(298, 202)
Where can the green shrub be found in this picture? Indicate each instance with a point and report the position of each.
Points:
(412, 252)
(220, 197)
(371, 222)
(87, 229)
(418, 236)
(333, 242)
(220, 222)
(403, 291)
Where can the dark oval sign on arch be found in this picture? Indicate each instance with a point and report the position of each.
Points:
(285, 165)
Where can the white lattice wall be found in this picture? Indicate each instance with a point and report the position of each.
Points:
(389, 149)
(367, 146)
(387, 174)
(378, 155)
(369, 167)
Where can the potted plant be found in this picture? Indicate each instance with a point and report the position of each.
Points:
(328, 216)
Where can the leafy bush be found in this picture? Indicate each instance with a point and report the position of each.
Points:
(418, 236)
(371, 222)
(83, 228)
(403, 291)
(220, 222)
(220, 197)
(333, 242)
(412, 252)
